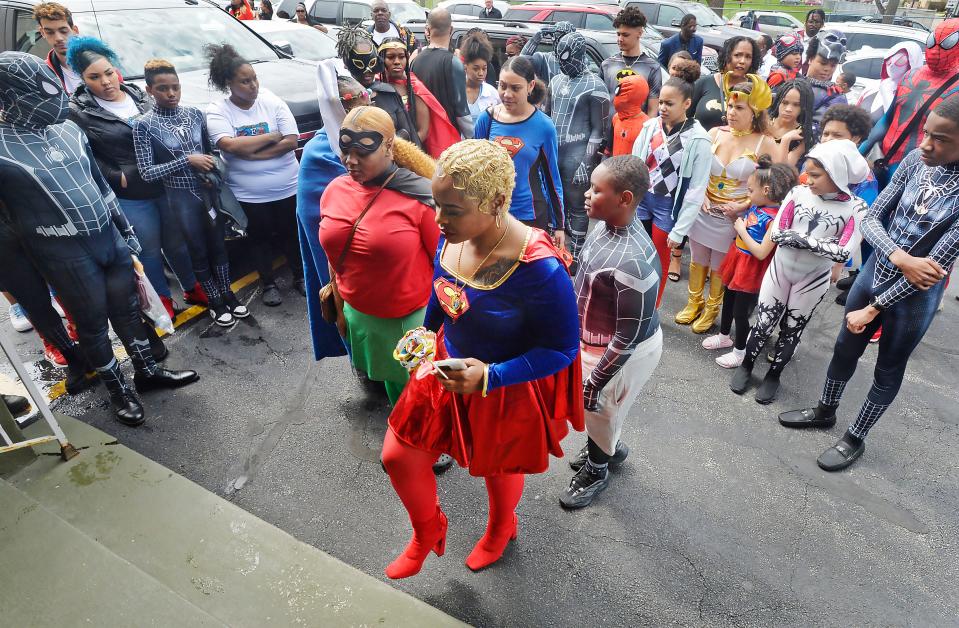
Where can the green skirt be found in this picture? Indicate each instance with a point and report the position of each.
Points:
(372, 341)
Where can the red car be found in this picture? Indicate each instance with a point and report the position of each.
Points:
(598, 17)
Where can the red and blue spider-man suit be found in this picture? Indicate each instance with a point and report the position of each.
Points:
(942, 65)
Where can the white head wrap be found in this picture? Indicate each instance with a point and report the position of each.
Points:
(842, 162)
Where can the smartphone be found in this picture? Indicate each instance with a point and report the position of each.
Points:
(451, 364)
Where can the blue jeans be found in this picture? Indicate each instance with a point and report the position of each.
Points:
(159, 234)
(658, 209)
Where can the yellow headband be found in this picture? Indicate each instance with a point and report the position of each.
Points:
(391, 45)
(760, 97)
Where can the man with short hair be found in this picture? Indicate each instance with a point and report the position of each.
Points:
(55, 25)
(490, 12)
(686, 39)
(443, 73)
(631, 59)
(383, 27)
(815, 21)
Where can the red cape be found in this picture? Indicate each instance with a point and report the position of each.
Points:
(442, 133)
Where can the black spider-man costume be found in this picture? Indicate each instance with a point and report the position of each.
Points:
(942, 65)
(67, 218)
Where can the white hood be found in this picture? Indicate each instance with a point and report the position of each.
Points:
(842, 162)
(328, 95)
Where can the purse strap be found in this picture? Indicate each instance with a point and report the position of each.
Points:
(356, 223)
(920, 115)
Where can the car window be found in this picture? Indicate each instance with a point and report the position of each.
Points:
(28, 39)
(704, 15)
(592, 62)
(286, 6)
(599, 21)
(649, 9)
(177, 34)
(524, 15)
(324, 11)
(668, 15)
(307, 43)
(354, 13)
(876, 41)
(573, 17)
(404, 12)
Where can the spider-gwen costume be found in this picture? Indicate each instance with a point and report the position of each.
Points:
(813, 233)
(921, 207)
(68, 219)
(580, 110)
(942, 66)
(617, 286)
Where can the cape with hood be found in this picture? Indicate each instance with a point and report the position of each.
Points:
(901, 59)
(629, 102)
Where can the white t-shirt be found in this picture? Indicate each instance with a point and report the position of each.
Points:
(125, 109)
(70, 78)
(256, 181)
(488, 97)
(378, 37)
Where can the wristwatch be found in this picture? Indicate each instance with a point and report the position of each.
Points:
(874, 302)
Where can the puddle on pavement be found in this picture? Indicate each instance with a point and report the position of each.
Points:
(85, 473)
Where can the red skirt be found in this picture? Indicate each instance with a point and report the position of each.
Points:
(511, 430)
(743, 272)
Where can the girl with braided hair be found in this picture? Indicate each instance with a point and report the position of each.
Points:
(503, 304)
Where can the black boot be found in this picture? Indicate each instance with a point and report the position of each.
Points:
(16, 404)
(766, 393)
(741, 378)
(163, 378)
(127, 408)
(820, 416)
(157, 348)
(845, 283)
(77, 380)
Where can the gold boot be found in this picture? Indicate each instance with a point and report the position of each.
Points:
(697, 281)
(713, 304)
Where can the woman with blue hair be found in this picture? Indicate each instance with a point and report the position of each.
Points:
(106, 108)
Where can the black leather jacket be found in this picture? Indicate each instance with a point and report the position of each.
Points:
(112, 142)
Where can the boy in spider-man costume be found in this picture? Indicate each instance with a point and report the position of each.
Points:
(942, 65)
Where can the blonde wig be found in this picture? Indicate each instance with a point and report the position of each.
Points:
(367, 118)
(407, 155)
(482, 170)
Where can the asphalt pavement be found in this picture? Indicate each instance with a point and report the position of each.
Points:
(719, 517)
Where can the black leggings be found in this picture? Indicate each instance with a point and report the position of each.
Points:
(737, 307)
(94, 279)
(204, 237)
(20, 277)
(266, 219)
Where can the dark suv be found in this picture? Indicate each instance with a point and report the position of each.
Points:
(665, 15)
(176, 30)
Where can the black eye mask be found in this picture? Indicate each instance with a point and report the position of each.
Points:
(363, 141)
(362, 62)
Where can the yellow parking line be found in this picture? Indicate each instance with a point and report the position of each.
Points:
(60, 388)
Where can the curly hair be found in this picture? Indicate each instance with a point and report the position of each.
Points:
(857, 120)
(726, 54)
(630, 17)
(53, 12)
(225, 61)
(780, 178)
(82, 51)
(686, 67)
(155, 67)
(476, 46)
(481, 169)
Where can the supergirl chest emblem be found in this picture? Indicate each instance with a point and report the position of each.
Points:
(452, 298)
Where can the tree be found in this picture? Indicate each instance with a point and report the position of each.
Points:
(888, 10)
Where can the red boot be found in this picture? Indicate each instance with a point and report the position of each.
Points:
(427, 536)
(196, 296)
(491, 546)
(168, 305)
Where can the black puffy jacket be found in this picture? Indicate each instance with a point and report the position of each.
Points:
(112, 142)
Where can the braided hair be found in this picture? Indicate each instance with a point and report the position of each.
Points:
(348, 37)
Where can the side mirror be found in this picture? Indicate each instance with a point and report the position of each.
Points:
(284, 47)
(674, 23)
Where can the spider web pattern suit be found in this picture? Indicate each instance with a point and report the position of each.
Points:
(921, 207)
(813, 233)
(579, 107)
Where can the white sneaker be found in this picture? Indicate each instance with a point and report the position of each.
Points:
(731, 360)
(18, 318)
(57, 308)
(719, 341)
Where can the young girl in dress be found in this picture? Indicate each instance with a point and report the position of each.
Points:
(749, 256)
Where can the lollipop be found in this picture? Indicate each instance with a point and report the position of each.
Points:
(415, 347)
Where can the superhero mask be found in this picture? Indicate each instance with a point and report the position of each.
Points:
(942, 54)
(571, 53)
(362, 141)
(788, 44)
(30, 93)
(561, 29)
(630, 96)
(360, 63)
(832, 45)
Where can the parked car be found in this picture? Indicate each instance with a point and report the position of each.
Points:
(898, 20)
(665, 15)
(297, 40)
(863, 35)
(471, 8)
(867, 66)
(773, 23)
(593, 16)
(176, 30)
(353, 11)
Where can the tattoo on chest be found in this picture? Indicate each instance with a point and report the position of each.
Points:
(494, 272)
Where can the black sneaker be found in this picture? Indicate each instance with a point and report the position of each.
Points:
(577, 462)
(846, 282)
(237, 309)
(221, 315)
(841, 297)
(583, 488)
